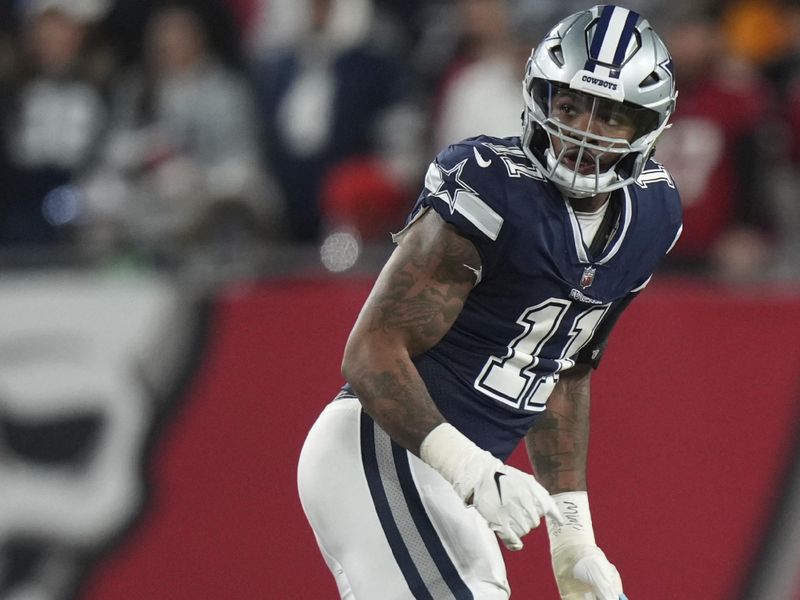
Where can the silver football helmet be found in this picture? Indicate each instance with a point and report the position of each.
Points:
(598, 91)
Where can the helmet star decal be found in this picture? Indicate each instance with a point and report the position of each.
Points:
(667, 65)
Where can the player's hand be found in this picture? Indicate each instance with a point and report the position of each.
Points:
(512, 502)
(584, 573)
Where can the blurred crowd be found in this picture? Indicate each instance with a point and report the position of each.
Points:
(161, 128)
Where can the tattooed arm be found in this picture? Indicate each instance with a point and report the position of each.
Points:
(558, 447)
(416, 299)
(558, 443)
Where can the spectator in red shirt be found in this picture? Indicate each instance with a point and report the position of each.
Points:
(713, 151)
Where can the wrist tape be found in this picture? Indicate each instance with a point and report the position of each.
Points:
(457, 458)
(574, 507)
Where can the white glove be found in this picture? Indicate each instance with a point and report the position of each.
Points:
(582, 570)
(510, 500)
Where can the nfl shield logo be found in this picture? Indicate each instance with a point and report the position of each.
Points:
(588, 277)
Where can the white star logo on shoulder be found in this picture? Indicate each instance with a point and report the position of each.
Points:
(482, 162)
(448, 186)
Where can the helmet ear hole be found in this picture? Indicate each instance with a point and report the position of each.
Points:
(557, 54)
(650, 80)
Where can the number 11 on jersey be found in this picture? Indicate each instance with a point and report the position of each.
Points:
(511, 379)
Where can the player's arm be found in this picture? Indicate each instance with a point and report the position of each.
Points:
(416, 299)
(558, 443)
(558, 446)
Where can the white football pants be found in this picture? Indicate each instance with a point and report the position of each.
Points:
(389, 526)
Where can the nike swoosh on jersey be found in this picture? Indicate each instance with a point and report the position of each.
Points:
(497, 477)
(481, 161)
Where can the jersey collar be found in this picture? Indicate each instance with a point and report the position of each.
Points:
(617, 238)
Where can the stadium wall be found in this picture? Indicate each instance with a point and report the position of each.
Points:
(695, 408)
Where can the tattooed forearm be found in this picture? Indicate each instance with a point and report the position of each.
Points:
(400, 403)
(558, 444)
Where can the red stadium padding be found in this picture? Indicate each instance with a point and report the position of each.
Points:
(694, 406)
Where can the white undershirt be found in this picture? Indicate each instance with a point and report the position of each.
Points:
(590, 223)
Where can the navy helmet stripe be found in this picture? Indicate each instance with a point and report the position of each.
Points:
(625, 38)
(426, 529)
(599, 35)
(612, 36)
(399, 550)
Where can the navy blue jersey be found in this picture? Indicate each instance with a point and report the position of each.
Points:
(543, 301)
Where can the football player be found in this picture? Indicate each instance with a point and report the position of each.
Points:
(483, 329)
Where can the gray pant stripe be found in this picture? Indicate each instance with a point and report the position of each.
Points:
(405, 523)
